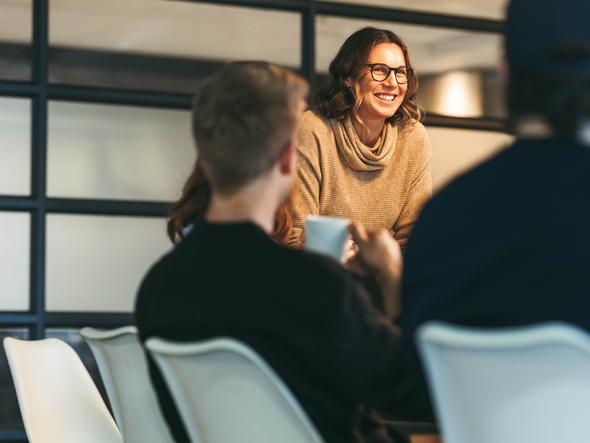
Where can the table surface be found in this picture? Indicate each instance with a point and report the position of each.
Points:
(419, 432)
(421, 438)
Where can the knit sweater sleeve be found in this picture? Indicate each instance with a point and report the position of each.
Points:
(421, 188)
(309, 176)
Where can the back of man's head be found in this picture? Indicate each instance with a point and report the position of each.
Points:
(243, 119)
(548, 54)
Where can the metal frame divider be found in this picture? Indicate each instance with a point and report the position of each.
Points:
(39, 163)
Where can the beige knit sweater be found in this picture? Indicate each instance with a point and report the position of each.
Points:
(390, 197)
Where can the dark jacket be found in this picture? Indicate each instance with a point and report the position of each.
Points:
(302, 313)
(506, 244)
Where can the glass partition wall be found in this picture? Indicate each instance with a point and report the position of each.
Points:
(95, 130)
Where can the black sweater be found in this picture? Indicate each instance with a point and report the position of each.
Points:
(302, 313)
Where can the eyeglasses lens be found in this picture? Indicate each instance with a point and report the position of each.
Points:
(381, 72)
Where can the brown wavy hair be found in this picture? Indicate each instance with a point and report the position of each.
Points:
(336, 100)
(194, 201)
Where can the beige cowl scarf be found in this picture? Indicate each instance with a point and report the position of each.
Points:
(383, 187)
(359, 156)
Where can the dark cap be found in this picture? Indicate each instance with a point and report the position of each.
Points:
(552, 35)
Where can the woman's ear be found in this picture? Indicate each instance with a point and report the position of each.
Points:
(348, 82)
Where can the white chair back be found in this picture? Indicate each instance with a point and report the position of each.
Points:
(58, 400)
(527, 384)
(125, 374)
(226, 393)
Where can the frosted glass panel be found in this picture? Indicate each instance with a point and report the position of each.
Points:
(15, 39)
(15, 146)
(455, 151)
(118, 152)
(95, 263)
(10, 419)
(163, 45)
(492, 9)
(14, 259)
(458, 70)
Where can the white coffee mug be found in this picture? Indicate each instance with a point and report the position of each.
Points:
(326, 235)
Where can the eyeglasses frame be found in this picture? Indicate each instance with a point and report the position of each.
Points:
(409, 72)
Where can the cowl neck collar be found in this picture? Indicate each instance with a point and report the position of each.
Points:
(359, 156)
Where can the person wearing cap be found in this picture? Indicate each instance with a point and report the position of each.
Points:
(508, 243)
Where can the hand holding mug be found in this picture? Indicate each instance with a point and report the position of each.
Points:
(380, 255)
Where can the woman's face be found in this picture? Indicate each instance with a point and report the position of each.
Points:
(380, 100)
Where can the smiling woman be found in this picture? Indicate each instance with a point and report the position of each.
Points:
(363, 153)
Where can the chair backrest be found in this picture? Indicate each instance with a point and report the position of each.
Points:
(226, 393)
(58, 400)
(512, 385)
(123, 367)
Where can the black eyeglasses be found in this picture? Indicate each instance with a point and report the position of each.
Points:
(380, 72)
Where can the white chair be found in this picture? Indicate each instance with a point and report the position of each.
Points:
(124, 372)
(58, 400)
(226, 393)
(528, 384)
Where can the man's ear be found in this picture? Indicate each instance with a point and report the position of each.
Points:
(287, 159)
